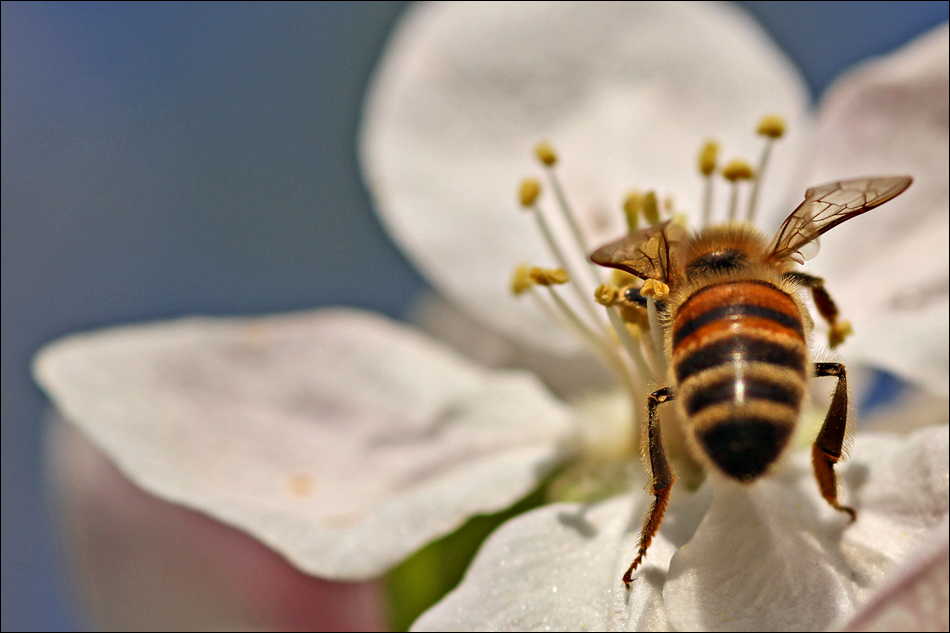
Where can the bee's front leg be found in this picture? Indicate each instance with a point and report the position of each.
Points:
(662, 478)
(827, 448)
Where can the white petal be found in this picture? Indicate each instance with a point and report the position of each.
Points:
(339, 438)
(626, 92)
(568, 377)
(917, 597)
(560, 568)
(552, 569)
(143, 564)
(753, 567)
(901, 486)
(889, 270)
(775, 556)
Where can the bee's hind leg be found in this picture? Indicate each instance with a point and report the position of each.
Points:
(827, 448)
(662, 478)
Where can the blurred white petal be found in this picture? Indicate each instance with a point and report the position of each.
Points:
(626, 92)
(145, 564)
(888, 270)
(341, 439)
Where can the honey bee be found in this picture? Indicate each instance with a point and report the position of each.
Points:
(735, 334)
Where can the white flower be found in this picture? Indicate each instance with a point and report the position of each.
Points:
(771, 558)
(345, 441)
(444, 125)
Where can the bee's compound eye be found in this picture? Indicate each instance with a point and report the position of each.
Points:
(633, 295)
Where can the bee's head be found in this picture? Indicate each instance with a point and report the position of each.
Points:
(724, 248)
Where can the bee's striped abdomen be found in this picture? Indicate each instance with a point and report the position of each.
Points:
(739, 360)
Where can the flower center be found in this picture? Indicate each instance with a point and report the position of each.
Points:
(623, 325)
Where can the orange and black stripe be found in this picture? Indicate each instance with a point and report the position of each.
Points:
(739, 359)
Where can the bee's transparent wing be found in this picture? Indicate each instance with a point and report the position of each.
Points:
(651, 253)
(827, 206)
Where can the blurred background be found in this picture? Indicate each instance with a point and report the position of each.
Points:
(179, 158)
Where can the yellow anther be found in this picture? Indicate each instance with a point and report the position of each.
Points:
(546, 154)
(707, 158)
(606, 294)
(632, 208)
(772, 126)
(838, 333)
(530, 190)
(651, 210)
(654, 288)
(549, 276)
(521, 280)
(737, 169)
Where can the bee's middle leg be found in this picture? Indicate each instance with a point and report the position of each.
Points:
(662, 478)
(826, 306)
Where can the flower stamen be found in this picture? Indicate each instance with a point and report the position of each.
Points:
(633, 350)
(607, 295)
(527, 278)
(736, 171)
(707, 167)
(655, 290)
(546, 154)
(772, 127)
(606, 351)
(559, 256)
(529, 192)
(521, 281)
(629, 318)
(669, 204)
(615, 301)
(651, 208)
(632, 205)
(548, 276)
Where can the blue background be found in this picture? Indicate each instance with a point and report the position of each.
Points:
(163, 159)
